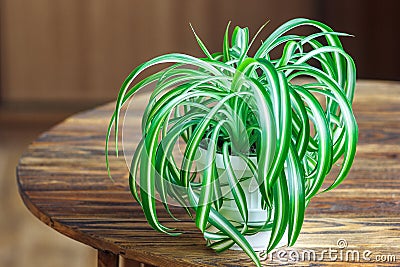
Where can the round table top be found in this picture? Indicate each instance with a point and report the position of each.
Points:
(63, 181)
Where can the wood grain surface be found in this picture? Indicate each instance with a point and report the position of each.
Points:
(63, 181)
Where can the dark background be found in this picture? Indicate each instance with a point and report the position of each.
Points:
(79, 51)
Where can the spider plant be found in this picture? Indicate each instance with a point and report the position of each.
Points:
(233, 104)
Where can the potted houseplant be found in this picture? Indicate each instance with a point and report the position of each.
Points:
(258, 143)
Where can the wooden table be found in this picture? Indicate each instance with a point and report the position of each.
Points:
(63, 181)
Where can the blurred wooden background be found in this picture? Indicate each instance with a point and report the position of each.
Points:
(61, 56)
(54, 50)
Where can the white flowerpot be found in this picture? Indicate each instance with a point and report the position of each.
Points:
(257, 215)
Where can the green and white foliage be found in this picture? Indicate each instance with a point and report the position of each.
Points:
(236, 104)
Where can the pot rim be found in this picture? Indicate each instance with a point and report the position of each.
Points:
(237, 162)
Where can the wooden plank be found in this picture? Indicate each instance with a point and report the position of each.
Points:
(131, 263)
(107, 259)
